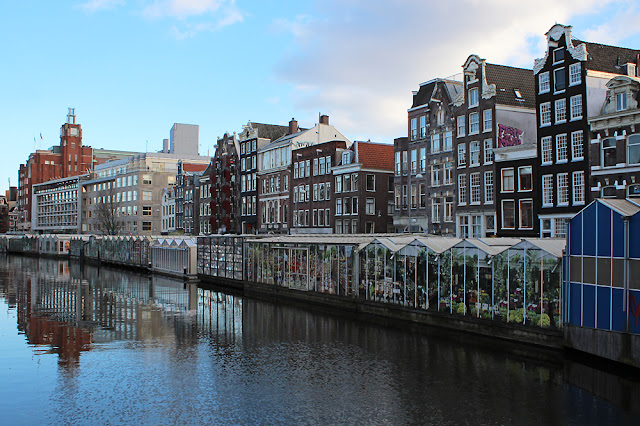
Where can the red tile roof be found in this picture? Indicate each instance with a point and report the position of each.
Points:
(375, 155)
(189, 167)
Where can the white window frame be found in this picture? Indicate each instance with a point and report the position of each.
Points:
(577, 146)
(488, 187)
(574, 109)
(578, 188)
(488, 151)
(514, 214)
(521, 216)
(462, 189)
(546, 146)
(561, 110)
(475, 184)
(487, 120)
(544, 84)
(575, 74)
(474, 123)
(563, 189)
(545, 114)
(547, 191)
(461, 122)
(562, 149)
(462, 155)
(474, 99)
(503, 187)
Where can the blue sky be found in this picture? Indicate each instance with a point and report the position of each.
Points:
(132, 68)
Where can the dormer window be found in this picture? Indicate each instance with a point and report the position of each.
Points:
(346, 158)
(558, 55)
(473, 97)
(621, 101)
(518, 94)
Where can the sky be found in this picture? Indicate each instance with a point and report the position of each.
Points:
(132, 68)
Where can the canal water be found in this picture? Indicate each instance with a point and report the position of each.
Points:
(87, 345)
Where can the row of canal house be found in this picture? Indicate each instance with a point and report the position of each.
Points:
(515, 152)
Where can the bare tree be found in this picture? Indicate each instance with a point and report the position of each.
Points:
(108, 210)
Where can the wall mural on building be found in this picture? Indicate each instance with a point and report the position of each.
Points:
(509, 136)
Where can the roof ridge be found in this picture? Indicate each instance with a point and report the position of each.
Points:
(606, 45)
(509, 66)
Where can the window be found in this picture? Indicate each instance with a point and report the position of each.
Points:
(339, 206)
(488, 151)
(146, 226)
(561, 227)
(448, 209)
(576, 107)
(634, 191)
(487, 120)
(525, 178)
(435, 210)
(346, 183)
(370, 206)
(461, 126)
(561, 110)
(526, 214)
(543, 82)
(398, 194)
(436, 174)
(423, 159)
(633, 147)
(462, 154)
(559, 80)
(147, 210)
(354, 205)
(545, 114)
(448, 141)
(621, 101)
(423, 126)
(474, 123)
(414, 196)
(405, 163)
(327, 160)
(315, 167)
(577, 150)
(464, 226)
(578, 187)
(609, 152)
(440, 117)
(308, 168)
(338, 227)
(473, 97)
(547, 150)
(609, 192)
(346, 204)
(488, 187)
(423, 195)
(371, 182)
(558, 55)
(146, 179)
(414, 161)
(561, 148)
(448, 173)
(475, 188)
(507, 180)
(574, 74)
(354, 181)
(146, 195)
(563, 189)
(398, 165)
(435, 143)
(547, 190)
(508, 214)
(414, 129)
(462, 189)
(474, 154)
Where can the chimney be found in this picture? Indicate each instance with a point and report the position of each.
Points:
(293, 126)
(324, 119)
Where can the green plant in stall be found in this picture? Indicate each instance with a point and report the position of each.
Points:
(485, 315)
(516, 315)
(546, 321)
(461, 309)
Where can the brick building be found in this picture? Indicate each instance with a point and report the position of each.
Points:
(570, 84)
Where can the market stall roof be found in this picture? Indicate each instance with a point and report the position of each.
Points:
(435, 243)
(624, 207)
(491, 246)
(553, 246)
(339, 239)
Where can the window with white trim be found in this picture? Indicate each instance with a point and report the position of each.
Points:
(474, 153)
(577, 148)
(575, 76)
(475, 188)
(543, 82)
(563, 189)
(507, 180)
(547, 150)
(488, 187)
(633, 149)
(545, 114)
(508, 214)
(488, 151)
(448, 173)
(558, 55)
(561, 148)
(462, 154)
(526, 214)
(461, 126)
(435, 210)
(474, 123)
(547, 191)
(436, 174)
(578, 188)
(561, 110)
(559, 80)
(462, 189)
(487, 120)
(448, 141)
(423, 159)
(473, 97)
(621, 101)
(398, 164)
(423, 126)
(414, 129)
(576, 107)
(608, 149)
(525, 178)
(435, 143)
(370, 207)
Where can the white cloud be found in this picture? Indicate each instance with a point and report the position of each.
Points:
(618, 27)
(92, 6)
(364, 57)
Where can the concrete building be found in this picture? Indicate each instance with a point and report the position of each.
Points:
(571, 85)
(129, 193)
(57, 206)
(184, 139)
(168, 210)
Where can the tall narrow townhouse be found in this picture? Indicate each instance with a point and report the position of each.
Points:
(571, 85)
(495, 97)
(424, 187)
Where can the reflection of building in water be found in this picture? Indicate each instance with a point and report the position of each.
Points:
(220, 316)
(69, 307)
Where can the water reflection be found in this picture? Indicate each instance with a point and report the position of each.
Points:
(144, 349)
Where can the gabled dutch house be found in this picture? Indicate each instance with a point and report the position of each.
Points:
(496, 99)
(570, 84)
